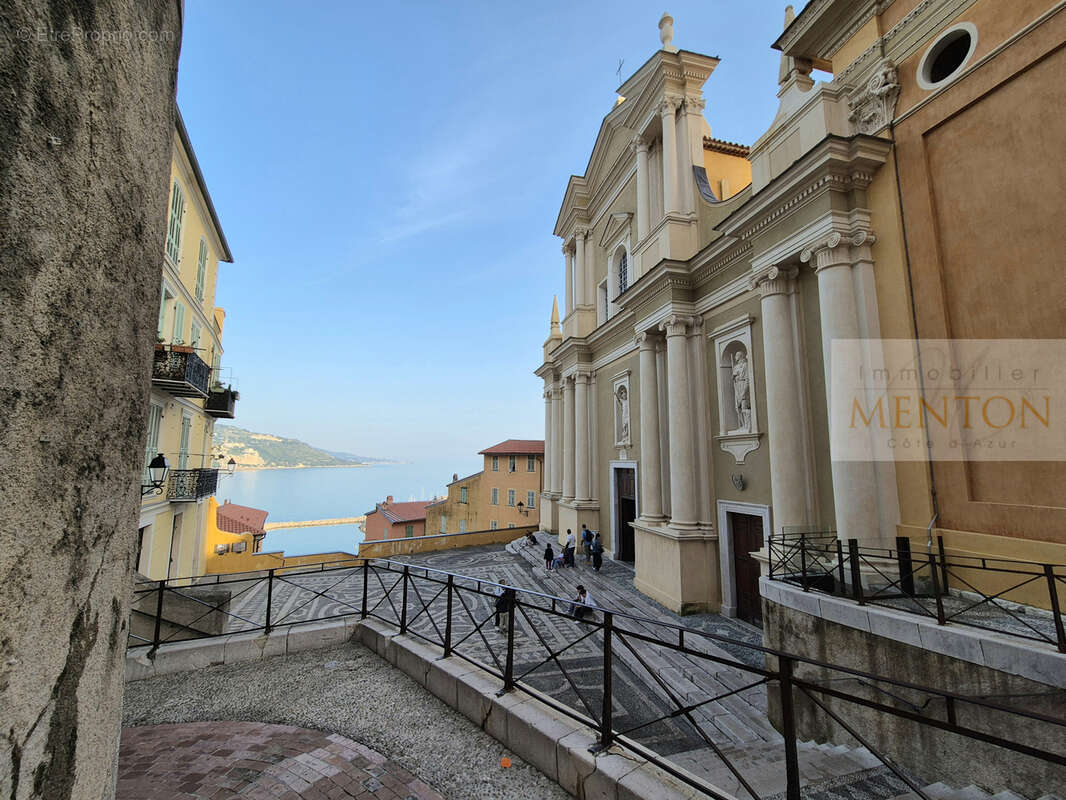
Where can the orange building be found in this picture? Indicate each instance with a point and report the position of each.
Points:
(390, 520)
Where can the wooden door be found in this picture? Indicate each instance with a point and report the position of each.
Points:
(747, 538)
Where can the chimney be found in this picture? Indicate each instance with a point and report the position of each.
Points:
(455, 477)
(388, 501)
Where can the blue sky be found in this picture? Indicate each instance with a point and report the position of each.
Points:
(388, 178)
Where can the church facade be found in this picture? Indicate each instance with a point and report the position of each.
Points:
(687, 378)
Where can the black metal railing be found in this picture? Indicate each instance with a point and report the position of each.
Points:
(189, 485)
(180, 371)
(222, 403)
(570, 660)
(1017, 598)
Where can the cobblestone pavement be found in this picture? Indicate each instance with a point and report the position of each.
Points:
(254, 760)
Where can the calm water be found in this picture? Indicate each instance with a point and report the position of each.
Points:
(328, 493)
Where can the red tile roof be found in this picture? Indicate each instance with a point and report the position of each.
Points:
(519, 447)
(233, 518)
(404, 512)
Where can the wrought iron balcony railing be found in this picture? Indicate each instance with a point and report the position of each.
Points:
(222, 403)
(180, 372)
(190, 485)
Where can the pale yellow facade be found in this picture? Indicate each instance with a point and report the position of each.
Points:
(173, 523)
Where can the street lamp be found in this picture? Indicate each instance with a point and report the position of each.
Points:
(522, 508)
(157, 474)
(231, 465)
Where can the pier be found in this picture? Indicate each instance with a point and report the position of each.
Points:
(312, 523)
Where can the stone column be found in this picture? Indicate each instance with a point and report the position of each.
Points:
(568, 438)
(700, 411)
(651, 487)
(686, 140)
(666, 111)
(640, 146)
(664, 420)
(546, 478)
(581, 436)
(557, 440)
(580, 268)
(854, 484)
(569, 278)
(683, 504)
(785, 428)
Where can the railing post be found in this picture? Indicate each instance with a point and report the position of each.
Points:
(788, 723)
(770, 550)
(1056, 610)
(606, 715)
(508, 669)
(366, 582)
(943, 565)
(270, 597)
(903, 562)
(448, 618)
(840, 566)
(158, 618)
(803, 562)
(403, 604)
(940, 618)
(856, 575)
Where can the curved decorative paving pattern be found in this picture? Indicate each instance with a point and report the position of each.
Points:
(254, 760)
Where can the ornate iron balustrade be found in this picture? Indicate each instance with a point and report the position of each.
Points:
(222, 403)
(189, 485)
(952, 589)
(183, 374)
(537, 641)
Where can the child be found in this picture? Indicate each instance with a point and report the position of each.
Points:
(549, 557)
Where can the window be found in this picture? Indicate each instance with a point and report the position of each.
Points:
(164, 296)
(177, 336)
(510, 497)
(177, 217)
(194, 338)
(201, 270)
(531, 463)
(495, 463)
(155, 421)
(495, 497)
(493, 525)
(462, 526)
(531, 499)
(947, 56)
(623, 273)
(443, 524)
(408, 531)
(183, 445)
(511, 463)
(462, 495)
(510, 524)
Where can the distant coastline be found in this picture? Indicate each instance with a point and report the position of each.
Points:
(254, 468)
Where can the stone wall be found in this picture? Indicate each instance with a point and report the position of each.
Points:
(85, 144)
(929, 753)
(442, 541)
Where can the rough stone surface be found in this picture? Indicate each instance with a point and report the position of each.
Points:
(85, 146)
(351, 691)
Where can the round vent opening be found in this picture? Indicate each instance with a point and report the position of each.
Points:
(947, 56)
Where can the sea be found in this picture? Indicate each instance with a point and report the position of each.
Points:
(331, 493)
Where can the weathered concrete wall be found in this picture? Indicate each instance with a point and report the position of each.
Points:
(931, 754)
(85, 141)
(442, 541)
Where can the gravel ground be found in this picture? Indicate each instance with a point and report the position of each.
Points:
(354, 692)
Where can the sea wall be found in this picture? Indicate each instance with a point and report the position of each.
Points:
(443, 541)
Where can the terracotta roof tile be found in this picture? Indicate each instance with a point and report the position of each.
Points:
(520, 447)
(404, 512)
(233, 518)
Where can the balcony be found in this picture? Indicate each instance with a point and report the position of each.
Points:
(222, 403)
(190, 485)
(180, 371)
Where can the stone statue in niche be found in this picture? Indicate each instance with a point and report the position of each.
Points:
(621, 398)
(741, 392)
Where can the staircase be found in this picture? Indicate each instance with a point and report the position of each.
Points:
(737, 724)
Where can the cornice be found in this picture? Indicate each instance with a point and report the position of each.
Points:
(823, 26)
(665, 277)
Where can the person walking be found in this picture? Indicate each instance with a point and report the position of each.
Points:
(586, 542)
(597, 553)
(568, 550)
(549, 557)
(582, 604)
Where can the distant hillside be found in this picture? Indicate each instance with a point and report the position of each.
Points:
(253, 450)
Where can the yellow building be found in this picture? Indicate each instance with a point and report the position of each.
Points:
(187, 394)
(503, 495)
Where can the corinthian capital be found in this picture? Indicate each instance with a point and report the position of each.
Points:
(677, 325)
(639, 144)
(695, 103)
(669, 104)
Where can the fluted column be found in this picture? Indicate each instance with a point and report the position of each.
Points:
(683, 504)
(546, 463)
(698, 378)
(557, 440)
(581, 436)
(854, 484)
(640, 146)
(568, 438)
(651, 487)
(580, 268)
(666, 111)
(569, 278)
(785, 428)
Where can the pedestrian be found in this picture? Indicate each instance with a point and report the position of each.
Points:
(597, 553)
(582, 604)
(549, 557)
(568, 550)
(531, 539)
(586, 542)
(505, 601)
